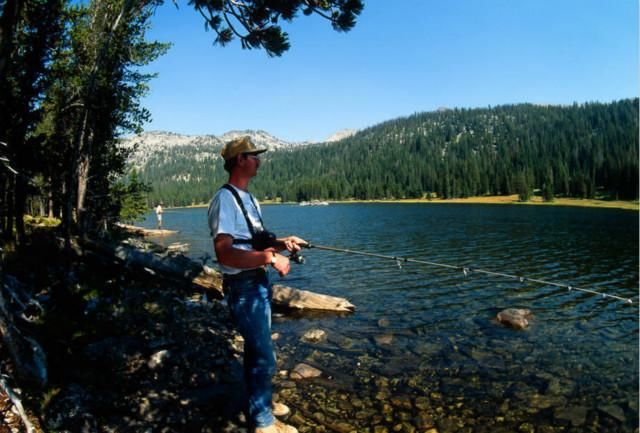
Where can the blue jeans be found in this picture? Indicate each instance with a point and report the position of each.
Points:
(249, 302)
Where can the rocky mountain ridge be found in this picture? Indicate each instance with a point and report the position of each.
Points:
(152, 143)
(342, 134)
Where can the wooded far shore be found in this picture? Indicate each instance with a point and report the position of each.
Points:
(494, 199)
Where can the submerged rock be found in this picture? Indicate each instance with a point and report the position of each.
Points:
(576, 415)
(304, 371)
(614, 412)
(314, 336)
(383, 323)
(516, 318)
(384, 339)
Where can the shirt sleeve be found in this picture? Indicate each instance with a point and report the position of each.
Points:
(222, 214)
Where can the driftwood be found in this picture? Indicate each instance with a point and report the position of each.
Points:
(17, 403)
(28, 356)
(29, 360)
(183, 268)
(146, 232)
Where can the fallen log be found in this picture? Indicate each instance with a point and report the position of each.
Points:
(28, 356)
(209, 279)
(305, 300)
(146, 232)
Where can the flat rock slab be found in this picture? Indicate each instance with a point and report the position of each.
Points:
(576, 415)
(304, 371)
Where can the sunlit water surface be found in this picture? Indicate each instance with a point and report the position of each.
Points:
(444, 340)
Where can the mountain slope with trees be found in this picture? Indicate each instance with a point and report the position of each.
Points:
(584, 150)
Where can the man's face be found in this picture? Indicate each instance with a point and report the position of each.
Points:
(251, 163)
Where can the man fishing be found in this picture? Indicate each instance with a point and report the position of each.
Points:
(244, 249)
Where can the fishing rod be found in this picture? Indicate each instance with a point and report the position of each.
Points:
(465, 270)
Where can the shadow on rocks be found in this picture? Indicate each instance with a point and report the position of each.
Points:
(145, 353)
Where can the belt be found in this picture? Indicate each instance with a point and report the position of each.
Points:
(244, 275)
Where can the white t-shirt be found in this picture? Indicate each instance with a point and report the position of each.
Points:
(225, 217)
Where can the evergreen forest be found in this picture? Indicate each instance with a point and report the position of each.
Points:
(585, 150)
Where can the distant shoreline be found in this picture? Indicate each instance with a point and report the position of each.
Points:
(498, 199)
(513, 200)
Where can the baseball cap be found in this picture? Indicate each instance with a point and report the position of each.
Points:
(240, 145)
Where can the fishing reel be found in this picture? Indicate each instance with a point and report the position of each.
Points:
(296, 257)
(266, 239)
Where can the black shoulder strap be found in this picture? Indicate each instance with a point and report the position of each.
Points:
(236, 196)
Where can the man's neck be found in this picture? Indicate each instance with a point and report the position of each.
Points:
(239, 182)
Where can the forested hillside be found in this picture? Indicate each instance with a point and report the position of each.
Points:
(584, 150)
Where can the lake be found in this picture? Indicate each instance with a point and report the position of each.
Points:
(422, 347)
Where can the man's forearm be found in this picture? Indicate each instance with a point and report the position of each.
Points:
(244, 259)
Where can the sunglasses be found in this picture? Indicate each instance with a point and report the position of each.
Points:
(252, 155)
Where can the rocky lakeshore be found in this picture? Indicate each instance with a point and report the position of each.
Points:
(131, 351)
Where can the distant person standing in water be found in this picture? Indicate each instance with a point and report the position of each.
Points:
(159, 212)
(243, 254)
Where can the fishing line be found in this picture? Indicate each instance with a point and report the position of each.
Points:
(466, 270)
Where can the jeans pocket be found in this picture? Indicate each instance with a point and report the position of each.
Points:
(247, 297)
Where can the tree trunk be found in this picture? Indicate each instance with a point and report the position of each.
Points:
(8, 227)
(82, 179)
(8, 24)
(67, 209)
(3, 201)
(81, 170)
(50, 197)
(84, 139)
(19, 206)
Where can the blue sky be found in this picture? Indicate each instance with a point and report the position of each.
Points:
(403, 57)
